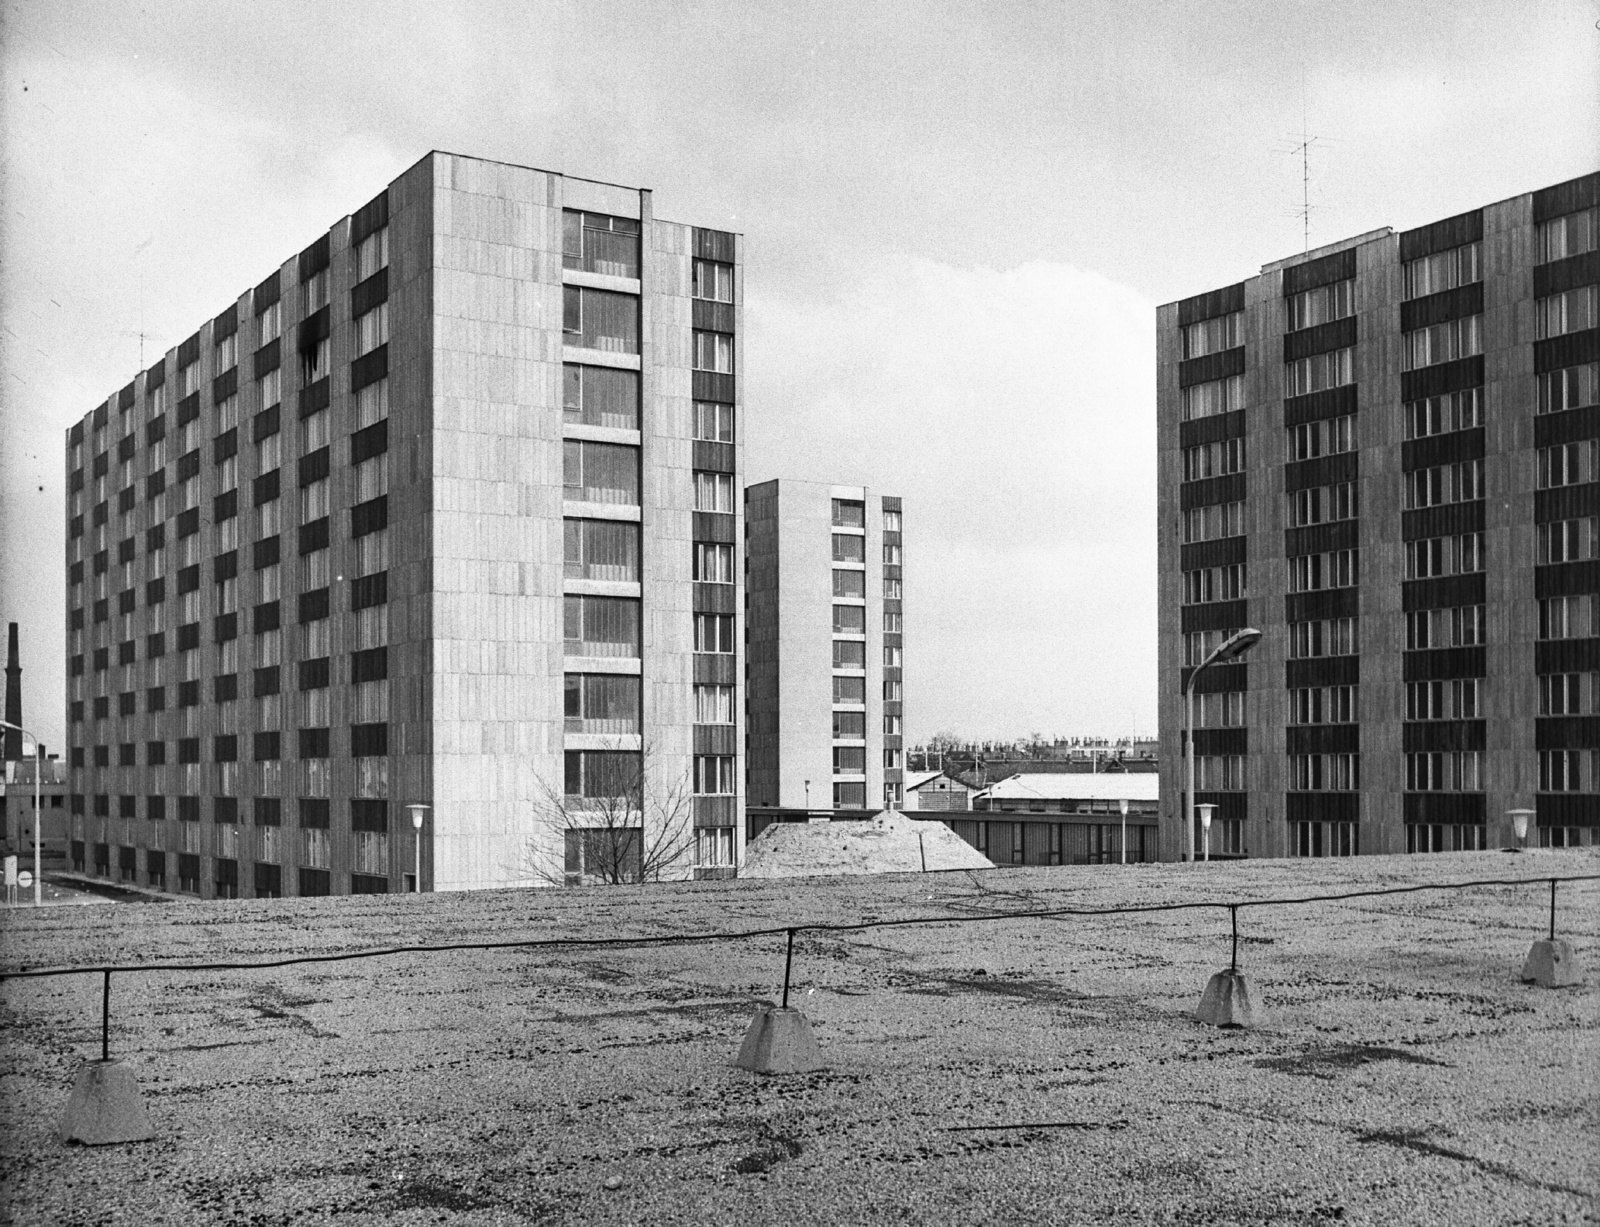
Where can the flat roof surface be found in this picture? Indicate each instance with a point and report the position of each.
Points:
(1010, 1071)
(1082, 786)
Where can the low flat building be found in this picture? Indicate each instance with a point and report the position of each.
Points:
(1065, 819)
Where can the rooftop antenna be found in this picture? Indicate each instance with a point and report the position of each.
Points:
(1302, 149)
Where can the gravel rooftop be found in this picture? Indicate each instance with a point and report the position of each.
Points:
(1014, 1071)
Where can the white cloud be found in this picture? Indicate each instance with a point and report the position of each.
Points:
(1014, 410)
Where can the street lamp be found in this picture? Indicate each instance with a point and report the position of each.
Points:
(1519, 820)
(417, 814)
(38, 814)
(1206, 811)
(1231, 648)
(1124, 804)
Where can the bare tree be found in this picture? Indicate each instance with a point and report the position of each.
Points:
(614, 821)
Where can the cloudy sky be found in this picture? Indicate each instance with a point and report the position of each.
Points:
(958, 219)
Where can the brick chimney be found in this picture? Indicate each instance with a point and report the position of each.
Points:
(13, 738)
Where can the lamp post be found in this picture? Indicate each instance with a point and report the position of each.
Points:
(1231, 648)
(417, 813)
(1519, 821)
(38, 814)
(1206, 810)
(1124, 806)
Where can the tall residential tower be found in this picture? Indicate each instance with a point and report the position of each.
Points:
(1383, 454)
(441, 513)
(826, 640)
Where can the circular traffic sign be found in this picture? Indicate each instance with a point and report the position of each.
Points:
(25, 878)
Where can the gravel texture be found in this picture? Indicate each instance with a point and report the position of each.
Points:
(1012, 1071)
(887, 843)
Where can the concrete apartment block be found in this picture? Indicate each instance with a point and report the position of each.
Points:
(824, 646)
(422, 519)
(1385, 455)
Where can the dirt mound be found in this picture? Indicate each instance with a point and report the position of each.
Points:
(889, 843)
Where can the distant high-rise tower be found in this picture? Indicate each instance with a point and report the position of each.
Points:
(824, 646)
(13, 696)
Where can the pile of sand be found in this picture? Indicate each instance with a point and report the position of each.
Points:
(889, 843)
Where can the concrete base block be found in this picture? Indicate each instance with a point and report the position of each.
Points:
(1226, 1002)
(779, 1041)
(105, 1107)
(1551, 964)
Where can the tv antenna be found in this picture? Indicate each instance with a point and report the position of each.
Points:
(1301, 148)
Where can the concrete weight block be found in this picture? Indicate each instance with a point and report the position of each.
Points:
(1552, 964)
(1227, 1002)
(105, 1107)
(779, 1041)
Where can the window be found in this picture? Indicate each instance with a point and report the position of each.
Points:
(602, 626)
(893, 657)
(1573, 311)
(600, 319)
(601, 550)
(849, 583)
(1324, 772)
(1570, 388)
(316, 291)
(607, 703)
(713, 847)
(713, 775)
(849, 726)
(892, 622)
(713, 633)
(227, 352)
(1563, 770)
(1218, 772)
(1204, 400)
(713, 351)
(850, 620)
(893, 691)
(1322, 504)
(1571, 235)
(1213, 459)
(1324, 438)
(850, 690)
(1460, 626)
(1309, 308)
(372, 253)
(372, 404)
(848, 513)
(372, 478)
(1569, 694)
(713, 492)
(600, 472)
(1431, 556)
(597, 243)
(1210, 523)
(1457, 699)
(1213, 335)
(713, 280)
(713, 422)
(1322, 705)
(849, 760)
(892, 724)
(713, 562)
(891, 588)
(1446, 483)
(600, 396)
(1319, 371)
(1443, 343)
(849, 654)
(1444, 771)
(1214, 584)
(713, 704)
(603, 774)
(1444, 270)
(1327, 637)
(372, 329)
(1567, 541)
(1222, 709)
(848, 547)
(314, 501)
(314, 432)
(1569, 464)
(314, 362)
(1315, 572)
(850, 796)
(1444, 415)
(272, 322)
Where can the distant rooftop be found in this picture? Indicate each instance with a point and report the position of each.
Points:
(1062, 786)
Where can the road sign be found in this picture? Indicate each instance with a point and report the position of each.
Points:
(11, 871)
(25, 879)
